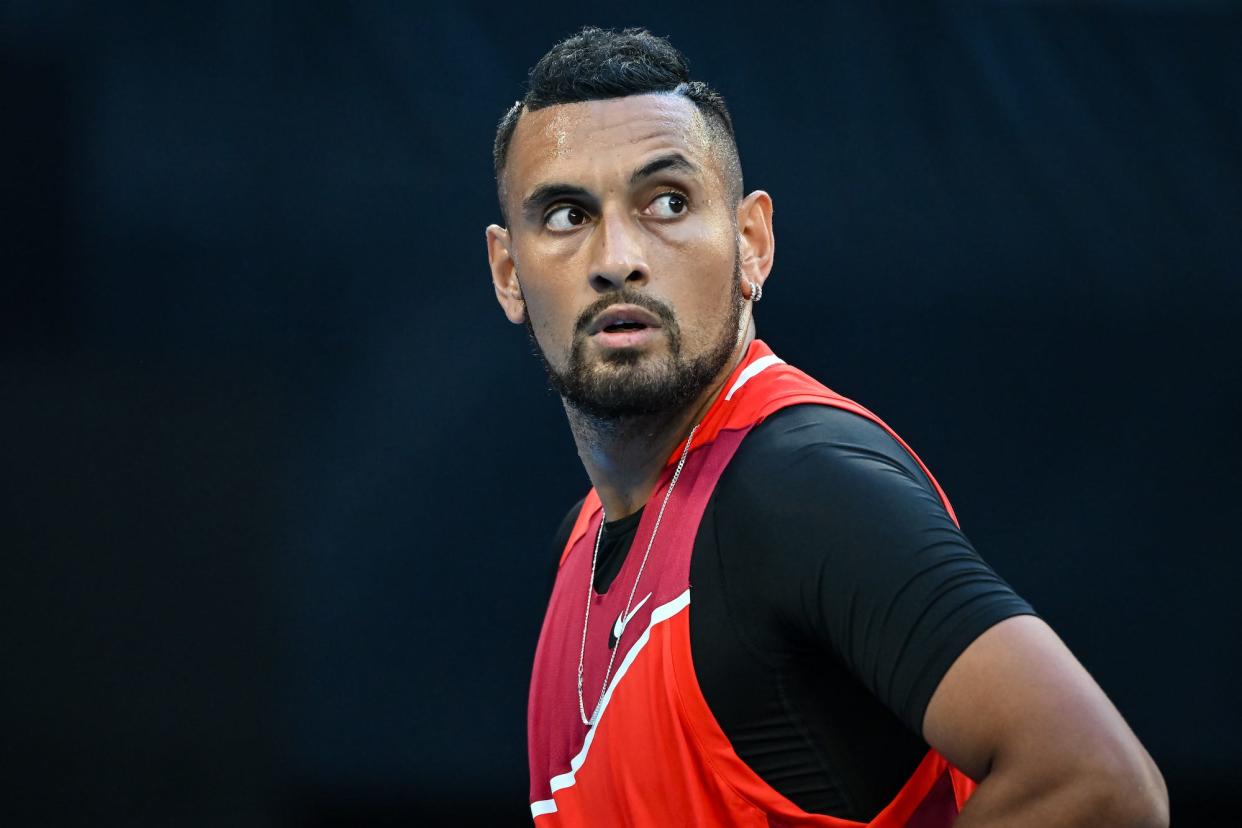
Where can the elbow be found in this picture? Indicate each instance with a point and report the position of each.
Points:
(1155, 798)
(1134, 809)
(1133, 795)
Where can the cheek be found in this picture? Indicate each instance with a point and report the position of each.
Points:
(546, 295)
(707, 235)
(552, 315)
(551, 321)
(708, 307)
(703, 254)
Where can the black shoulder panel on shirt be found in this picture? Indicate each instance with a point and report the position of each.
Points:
(828, 574)
(861, 557)
(561, 538)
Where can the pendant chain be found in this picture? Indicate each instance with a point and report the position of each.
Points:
(591, 587)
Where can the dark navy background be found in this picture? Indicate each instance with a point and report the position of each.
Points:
(280, 479)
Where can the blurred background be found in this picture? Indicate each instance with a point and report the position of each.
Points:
(281, 480)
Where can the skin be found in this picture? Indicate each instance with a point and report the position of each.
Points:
(1020, 715)
(1016, 711)
(549, 272)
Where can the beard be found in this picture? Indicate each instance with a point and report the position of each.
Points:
(630, 383)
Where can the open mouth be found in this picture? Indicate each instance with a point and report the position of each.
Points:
(616, 327)
(624, 320)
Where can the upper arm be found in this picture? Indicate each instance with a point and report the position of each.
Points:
(1017, 699)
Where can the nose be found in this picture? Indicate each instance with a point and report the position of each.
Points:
(618, 260)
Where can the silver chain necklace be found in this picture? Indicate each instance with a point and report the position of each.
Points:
(591, 587)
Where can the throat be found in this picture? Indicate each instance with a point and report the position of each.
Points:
(624, 456)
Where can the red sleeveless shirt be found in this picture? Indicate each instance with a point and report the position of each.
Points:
(656, 755)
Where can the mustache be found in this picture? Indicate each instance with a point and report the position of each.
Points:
(625, 297)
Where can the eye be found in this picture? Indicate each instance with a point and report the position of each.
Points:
(668, 205)
(565, 218)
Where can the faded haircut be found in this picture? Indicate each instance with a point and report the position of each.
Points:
(598, 64)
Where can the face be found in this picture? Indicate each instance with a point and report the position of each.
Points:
(624, 246)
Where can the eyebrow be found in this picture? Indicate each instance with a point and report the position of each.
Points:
(671, 161)
(545, 194)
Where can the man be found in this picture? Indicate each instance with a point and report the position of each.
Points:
(764, 612)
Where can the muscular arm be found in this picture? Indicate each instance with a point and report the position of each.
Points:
(1019, 714)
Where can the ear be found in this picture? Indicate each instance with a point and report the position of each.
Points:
(754, 229)
(504, 274)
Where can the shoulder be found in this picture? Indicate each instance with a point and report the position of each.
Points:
(560, 538)
(818, 495)
(816, 483)
(832, 530)
(827, 448)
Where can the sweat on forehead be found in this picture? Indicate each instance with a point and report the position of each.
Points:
(590, 135)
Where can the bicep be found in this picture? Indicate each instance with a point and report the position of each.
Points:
(1017, 696)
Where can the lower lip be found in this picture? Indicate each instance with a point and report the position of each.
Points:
(625, 339)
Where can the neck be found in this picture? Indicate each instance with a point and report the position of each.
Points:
(625, 456)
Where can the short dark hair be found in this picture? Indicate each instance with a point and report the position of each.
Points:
(597, 64)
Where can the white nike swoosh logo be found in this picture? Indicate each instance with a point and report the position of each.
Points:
(619, 627)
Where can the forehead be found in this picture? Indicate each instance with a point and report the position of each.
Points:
(596, 139)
